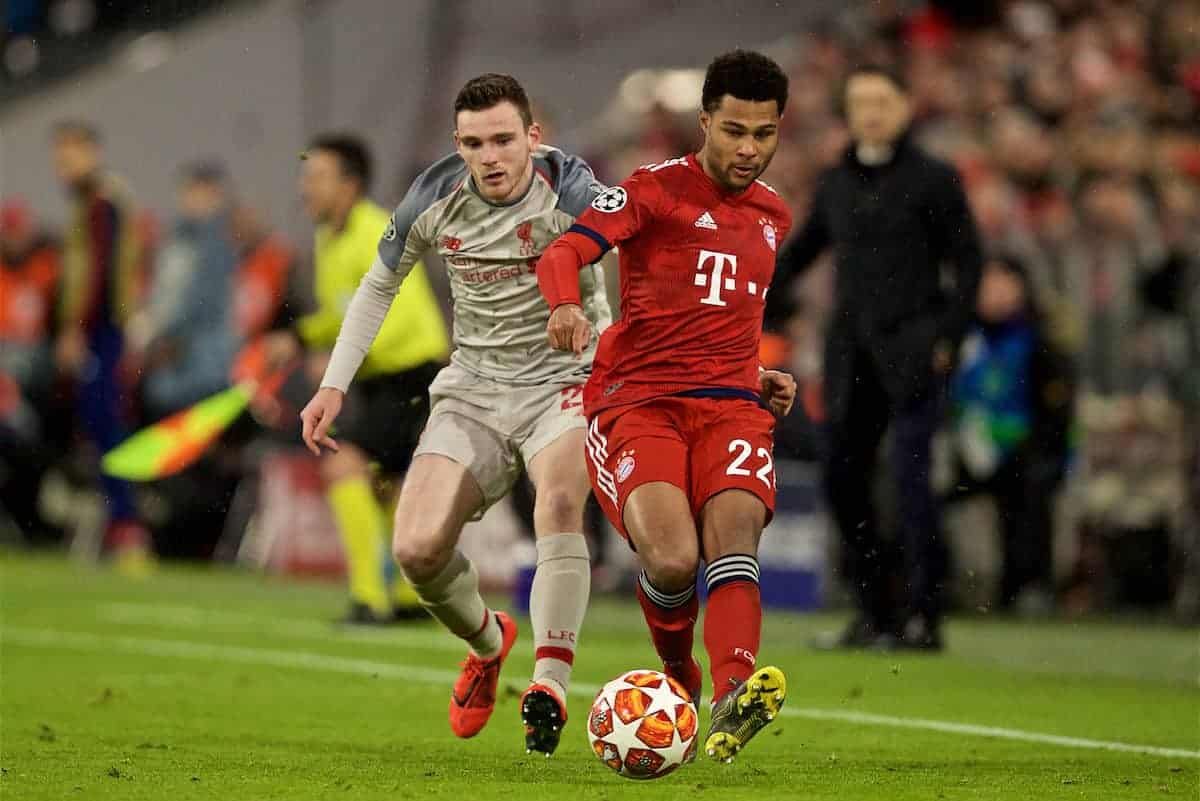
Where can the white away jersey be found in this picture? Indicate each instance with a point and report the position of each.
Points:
(490, 252)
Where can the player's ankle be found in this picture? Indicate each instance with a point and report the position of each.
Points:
(553, 686)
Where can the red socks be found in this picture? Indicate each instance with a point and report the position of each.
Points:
(672, 621)
(732, 620)
(732, 624)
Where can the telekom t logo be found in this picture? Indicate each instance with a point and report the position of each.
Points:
(711, 272)
(715, 278)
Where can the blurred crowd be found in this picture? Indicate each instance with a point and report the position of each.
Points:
(114, 324)
(1074, 124)
(42, 40)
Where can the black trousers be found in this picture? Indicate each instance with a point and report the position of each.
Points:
(891, 580)
(1023, 490)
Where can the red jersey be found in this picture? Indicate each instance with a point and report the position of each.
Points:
(696, 263)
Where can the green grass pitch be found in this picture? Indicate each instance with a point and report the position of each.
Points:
(209, 684)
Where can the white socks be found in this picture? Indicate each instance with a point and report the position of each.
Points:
(557, 603)
(453, 598)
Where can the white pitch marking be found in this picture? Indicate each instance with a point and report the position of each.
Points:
(971, 729)
(194, 617)
(52, 638)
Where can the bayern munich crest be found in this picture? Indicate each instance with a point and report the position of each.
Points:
(769, 234)
(625, 466)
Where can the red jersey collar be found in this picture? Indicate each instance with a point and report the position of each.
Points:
(725, 197)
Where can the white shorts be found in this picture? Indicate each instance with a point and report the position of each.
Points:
(494, 429)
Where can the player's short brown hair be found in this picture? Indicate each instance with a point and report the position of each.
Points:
(352, 154)
(491, 89)
(746, 75)
(76, 131)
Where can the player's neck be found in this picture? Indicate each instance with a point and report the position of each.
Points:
(340, 216)
(523, 184)
(713, 175)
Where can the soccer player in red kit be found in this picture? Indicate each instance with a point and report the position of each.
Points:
(681, 417)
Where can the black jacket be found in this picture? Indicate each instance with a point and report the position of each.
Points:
(893, 228)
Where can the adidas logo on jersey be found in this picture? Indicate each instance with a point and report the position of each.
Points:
(706, 221)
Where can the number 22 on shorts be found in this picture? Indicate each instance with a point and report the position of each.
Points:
(743, 450)
(572, 399)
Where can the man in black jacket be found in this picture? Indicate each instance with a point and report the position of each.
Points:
(908, 266)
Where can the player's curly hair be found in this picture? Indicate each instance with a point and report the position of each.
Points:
(746, 75)
(491, 89)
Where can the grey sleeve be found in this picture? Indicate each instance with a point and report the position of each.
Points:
(364, 316)
(577, 185)
(403, 242)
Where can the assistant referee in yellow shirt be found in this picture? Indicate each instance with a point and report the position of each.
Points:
(386, 410)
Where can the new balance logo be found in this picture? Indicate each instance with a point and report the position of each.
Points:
(706, 221)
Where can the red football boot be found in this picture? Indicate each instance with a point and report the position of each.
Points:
(474, 695)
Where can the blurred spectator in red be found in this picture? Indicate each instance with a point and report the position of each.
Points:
(29, 275)
(264, 269)
(29, 429)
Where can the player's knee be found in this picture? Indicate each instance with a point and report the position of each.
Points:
(672, 572)
(558, 509)
(419, 555)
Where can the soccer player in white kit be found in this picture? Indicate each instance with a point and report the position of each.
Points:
(506, 402)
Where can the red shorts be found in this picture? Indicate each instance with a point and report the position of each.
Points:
(701, 445)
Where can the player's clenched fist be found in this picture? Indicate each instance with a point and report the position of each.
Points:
(318, 416)
(569, 329)
(778, 390)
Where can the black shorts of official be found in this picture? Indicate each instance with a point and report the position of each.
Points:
(384, 415)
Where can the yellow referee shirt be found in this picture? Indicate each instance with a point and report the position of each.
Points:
(413, 332)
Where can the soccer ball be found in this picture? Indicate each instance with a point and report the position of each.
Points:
(643, 725)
